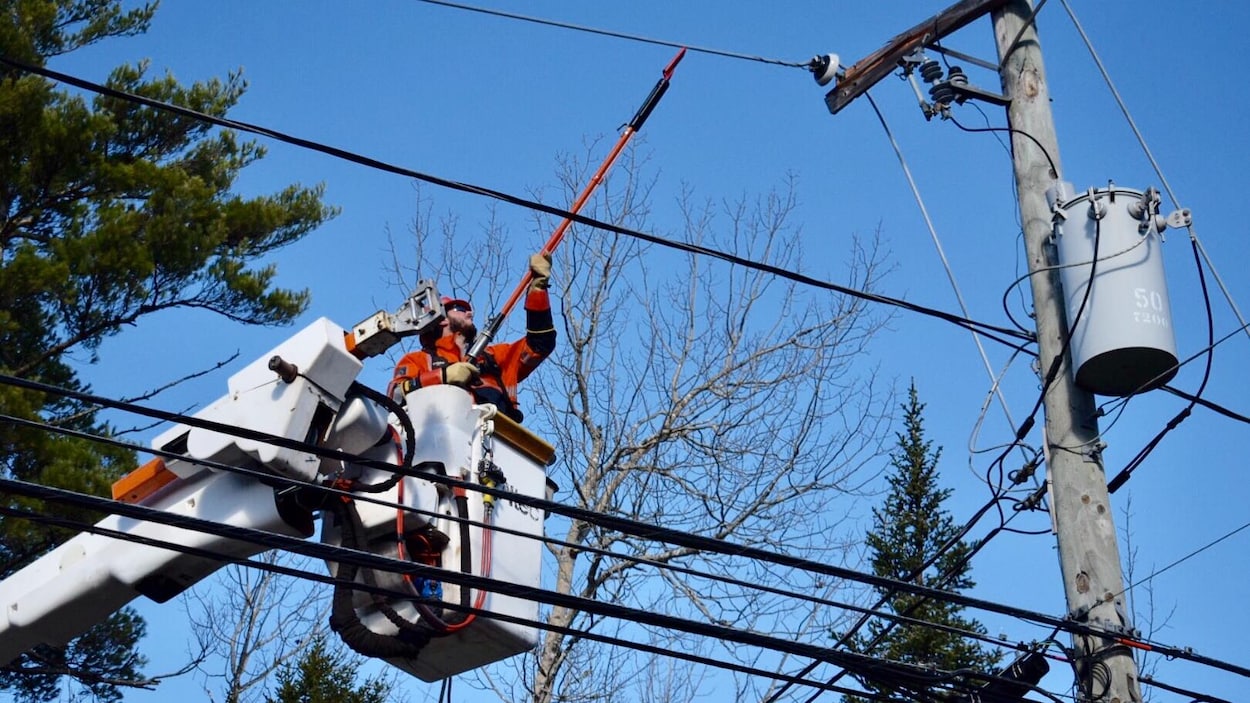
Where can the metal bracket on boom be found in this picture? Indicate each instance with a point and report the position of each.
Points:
(422, 312)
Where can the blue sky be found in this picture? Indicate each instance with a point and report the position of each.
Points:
(495, 102)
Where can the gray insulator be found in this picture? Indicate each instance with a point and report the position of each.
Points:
(931, 71)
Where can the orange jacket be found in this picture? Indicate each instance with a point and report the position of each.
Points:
(503, 367)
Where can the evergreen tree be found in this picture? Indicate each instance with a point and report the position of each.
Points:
(908, 530)
(109, 211)
(327, 676)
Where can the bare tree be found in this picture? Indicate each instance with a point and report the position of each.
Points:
(713, 399)
(250, 623)
(1141, 597)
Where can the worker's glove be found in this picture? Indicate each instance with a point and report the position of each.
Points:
(540, 271)
(461, 373)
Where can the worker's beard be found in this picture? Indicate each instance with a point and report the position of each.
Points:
(463, 328)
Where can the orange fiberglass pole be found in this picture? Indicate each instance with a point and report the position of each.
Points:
(485, 336)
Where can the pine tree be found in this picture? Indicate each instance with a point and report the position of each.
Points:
(323, 675)
(109, 211)
(908, 530)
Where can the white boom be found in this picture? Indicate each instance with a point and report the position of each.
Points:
(304, 390)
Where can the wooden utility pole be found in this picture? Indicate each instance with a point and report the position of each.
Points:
(1089, 557)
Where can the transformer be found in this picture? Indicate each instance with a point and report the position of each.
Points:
(1109, 246)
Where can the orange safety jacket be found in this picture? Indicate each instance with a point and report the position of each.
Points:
(503, 367)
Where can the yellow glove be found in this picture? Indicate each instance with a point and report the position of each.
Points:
(540, 271)
(461, 373)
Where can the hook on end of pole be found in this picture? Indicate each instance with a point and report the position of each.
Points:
(672, 65)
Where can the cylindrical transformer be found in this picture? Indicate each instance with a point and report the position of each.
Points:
(1121, 320)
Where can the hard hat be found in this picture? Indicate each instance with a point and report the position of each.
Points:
(449, 301)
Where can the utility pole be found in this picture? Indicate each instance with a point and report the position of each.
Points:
(1089, 557)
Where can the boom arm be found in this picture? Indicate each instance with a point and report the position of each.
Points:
(305, 390)
(83, 581)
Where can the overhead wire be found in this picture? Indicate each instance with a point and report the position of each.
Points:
(618, 35)
(1141, 140)
(939, 580)
(1194, 696)
(261, 436)
(1214, 407)
(601, 225)
(997, 497)
(937, 243)
(590, 549)
(621, 524)
(1182, 560)
(1054, 170)
(1120, 404)
(870, 666)
(345, 555)
(988, 330)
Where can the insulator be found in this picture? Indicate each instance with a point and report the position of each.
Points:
(931, 71)
(957, 76)
(942, 93)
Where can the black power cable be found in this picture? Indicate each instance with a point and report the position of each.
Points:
(806, 65)
(629, 526)
(331, 491)
(357, 558)
(1121, 478)
(625, 525)
(984, 329)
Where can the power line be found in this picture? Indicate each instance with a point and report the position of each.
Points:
(1183, 559)
(621, 524)
(625, 525)
(1194, 696)
(923, 677)
(63, 522)
(642, 561)
(1193, 236)
(1054, 170)
(937, 243)
(988, 330)
(894, 618)
(864, 663)
(1214, 407)
(806, 65)
(1122, 477)
(1121, 403)
(397, 566)
(473, 8)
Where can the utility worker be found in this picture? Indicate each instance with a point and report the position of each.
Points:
(494, 377)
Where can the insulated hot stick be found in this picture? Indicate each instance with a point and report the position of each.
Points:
(491, 328)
